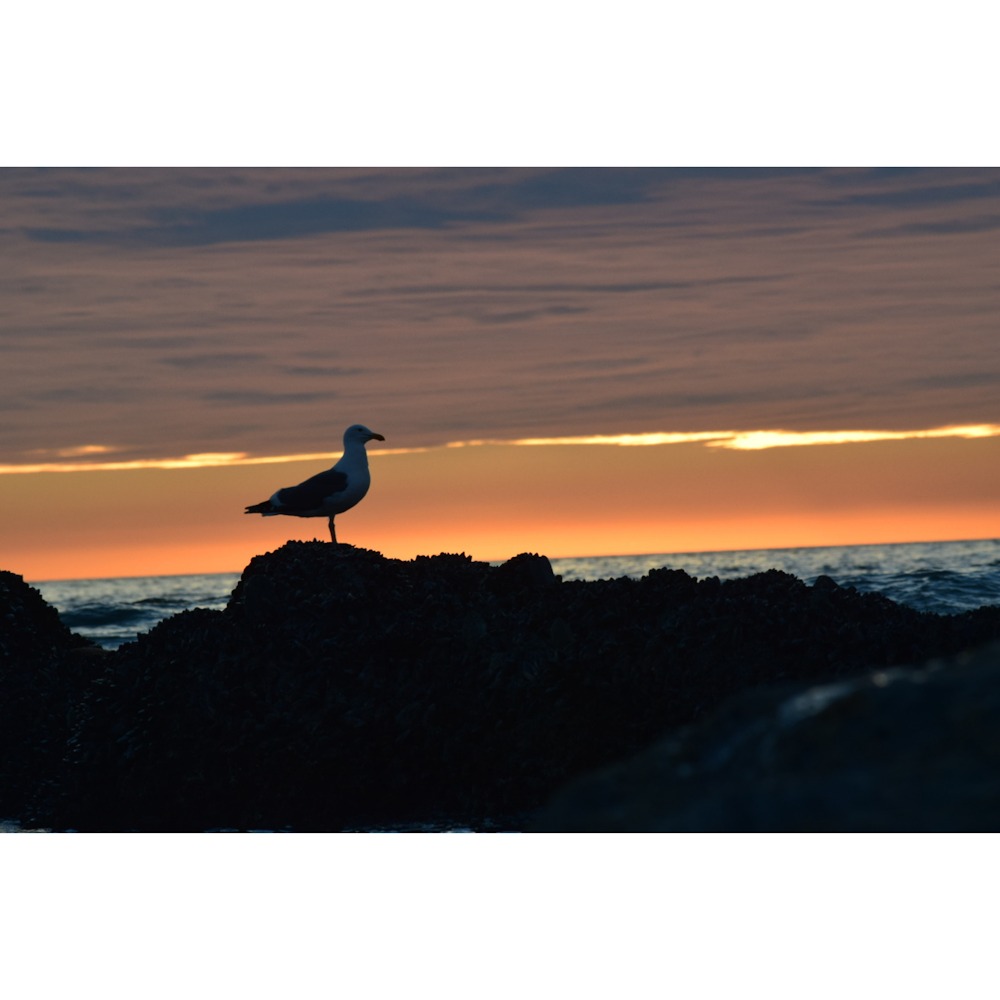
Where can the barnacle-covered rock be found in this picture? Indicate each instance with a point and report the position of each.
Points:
(45, 673)
(340, 687)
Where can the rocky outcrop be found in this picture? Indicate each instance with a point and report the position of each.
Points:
(45, 671)
(341, 688)
(896, 750)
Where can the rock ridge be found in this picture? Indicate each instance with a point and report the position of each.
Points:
(340, 687)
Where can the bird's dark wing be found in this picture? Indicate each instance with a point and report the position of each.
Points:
(311, 494)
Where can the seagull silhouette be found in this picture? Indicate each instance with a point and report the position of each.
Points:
(332, 492)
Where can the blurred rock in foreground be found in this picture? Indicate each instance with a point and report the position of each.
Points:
(343, 689)
(894, 751)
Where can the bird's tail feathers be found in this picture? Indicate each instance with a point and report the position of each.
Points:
(264, 508)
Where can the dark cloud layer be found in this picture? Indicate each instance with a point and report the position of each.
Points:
(939, 194)
(284, 220)
(289, 219)
(263, 214)
(516, 195)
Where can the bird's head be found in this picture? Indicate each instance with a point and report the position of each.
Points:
(360, 434)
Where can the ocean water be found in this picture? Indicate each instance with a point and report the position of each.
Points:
(114, 611)
(946, 577)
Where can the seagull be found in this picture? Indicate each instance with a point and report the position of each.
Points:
(331, 492)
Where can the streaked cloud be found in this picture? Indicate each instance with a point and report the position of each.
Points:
(205, 460)
(937, 194)
(251, 397)
(625, 440)
(531, 287)
(959, 379)
(212, 361)
(187, 462)
(319, 371)
(745, 297)
(945, 227)
(76, 452)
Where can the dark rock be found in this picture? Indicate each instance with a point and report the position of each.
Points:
(262, 601)
(342, 688)
(896, 750)
(525, 570)
(560, 634)
(30, 630)
(45, 674)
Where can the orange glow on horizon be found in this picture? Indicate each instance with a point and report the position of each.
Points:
(492, 502)
(209, 554)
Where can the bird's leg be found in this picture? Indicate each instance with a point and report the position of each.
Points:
(333, 531)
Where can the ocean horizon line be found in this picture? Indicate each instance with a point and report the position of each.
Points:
(613, 555)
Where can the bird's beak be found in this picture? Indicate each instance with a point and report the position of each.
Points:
(377, 437)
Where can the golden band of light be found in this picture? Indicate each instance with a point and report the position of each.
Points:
(736, 440)
(749, 440)
(756, 440)
(211, 459)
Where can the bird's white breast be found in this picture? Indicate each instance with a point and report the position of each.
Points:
(354, 464)
(358, 481)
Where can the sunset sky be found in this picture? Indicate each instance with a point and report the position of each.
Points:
(491, 323)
